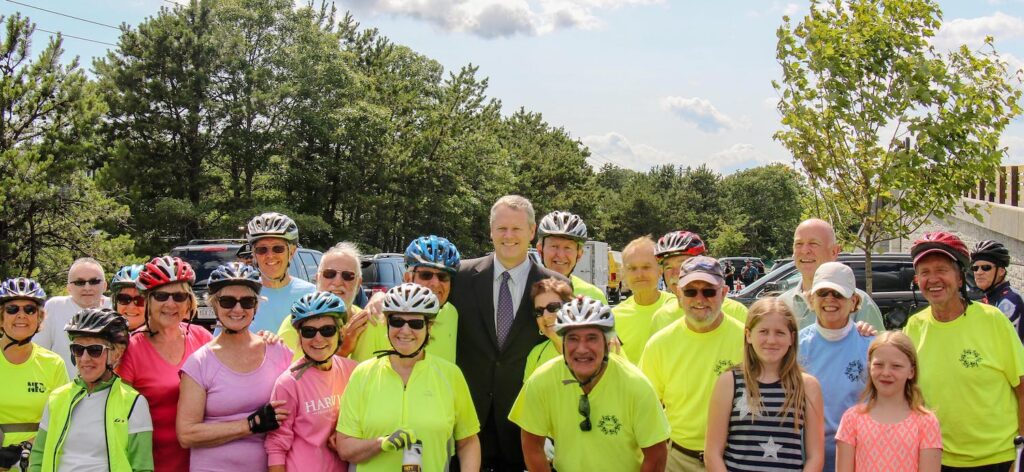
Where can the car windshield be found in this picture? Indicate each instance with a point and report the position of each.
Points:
(206, 259)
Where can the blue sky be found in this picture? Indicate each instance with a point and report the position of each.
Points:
(640, 82)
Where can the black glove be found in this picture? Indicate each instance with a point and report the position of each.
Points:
(263, 420)
(10, 455)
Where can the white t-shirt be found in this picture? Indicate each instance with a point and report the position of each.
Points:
(59, 311)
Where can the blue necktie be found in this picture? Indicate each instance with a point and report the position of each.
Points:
(505, 315)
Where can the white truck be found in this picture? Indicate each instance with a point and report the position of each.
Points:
(593, 266)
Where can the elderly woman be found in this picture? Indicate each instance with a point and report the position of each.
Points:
(29, 372)
(407, 396)
(128, 302)
(832, 350)
(225, 409)
(548, 296)
(158, 350)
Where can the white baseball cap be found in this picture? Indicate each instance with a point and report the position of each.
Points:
(836, 276)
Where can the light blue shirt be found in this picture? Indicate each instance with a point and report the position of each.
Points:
(842, 369)
(278, 304)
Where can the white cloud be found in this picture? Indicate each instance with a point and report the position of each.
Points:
(498, 18)
(700, 112)
(1014, 151)
(972, 31)
(739, 155)
(616, 149)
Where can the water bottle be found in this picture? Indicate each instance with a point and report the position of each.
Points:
(412, 457)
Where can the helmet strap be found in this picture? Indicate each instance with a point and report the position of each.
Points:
(395, 352)
(17, 342)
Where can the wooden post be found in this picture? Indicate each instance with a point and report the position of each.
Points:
(1001, 186)
(1014, 185)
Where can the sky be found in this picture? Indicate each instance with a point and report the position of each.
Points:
(639, 82)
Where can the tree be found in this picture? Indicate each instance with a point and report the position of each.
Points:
(886, 128)
(770, 198)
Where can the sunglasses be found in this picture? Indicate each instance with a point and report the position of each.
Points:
(327, 331)
(552, 307)
(829, 293)
(14, 309)
(82, 282)
(427, 276)
(707, 292)
(397, 323)
(262, 250)
(179, 297)
(346, 275)
(982, 267)
(584, 408)
(125, 299)
(94, 350)
(228, 303)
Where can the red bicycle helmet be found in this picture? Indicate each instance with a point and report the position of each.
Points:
(164, 270)
(941, 242)
(679, 243)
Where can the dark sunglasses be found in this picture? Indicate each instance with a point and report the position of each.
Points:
(125, 299)
(94, 350)
(259, 251)
(584, 409)
(81, 282)
(346, 275)
(707, 292)
(14, 309)
(179, 297)
(829, 293)
(427, 276)
(552, 307)
(327, 331)
(396, 322)
(982, 267)
(228, 303)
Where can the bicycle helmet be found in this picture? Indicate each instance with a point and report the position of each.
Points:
(315, 304)
(564, 224)
(272, 225)
(941, 242)
(125, 277)
(411, 298)
(98, 322)
(244, 251)
(433, 251)
(234, 273)
(21, 288)
(679, 243)
(164, 270)
(991, 251)
(584, 311)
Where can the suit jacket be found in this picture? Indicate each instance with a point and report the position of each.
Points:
(494, 375)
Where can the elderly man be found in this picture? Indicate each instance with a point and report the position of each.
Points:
(560, 239)
(706, 342)
(86, 284)
(633, 316)
(497, 328)
(814, 243)
(274, 238)
(970, 361)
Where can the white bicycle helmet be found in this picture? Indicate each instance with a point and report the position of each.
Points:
(564, 224)
(272, 225)
(584, 311)
(411, 298)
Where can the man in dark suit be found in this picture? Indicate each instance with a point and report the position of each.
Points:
(497, 328)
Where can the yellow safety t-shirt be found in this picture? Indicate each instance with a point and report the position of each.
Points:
(582, 287)
(633, 323)
(26, 387)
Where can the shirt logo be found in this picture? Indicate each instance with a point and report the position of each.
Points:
(36, 387)
(855, 371)
(970, 358)
(609, 425)
(722, 365)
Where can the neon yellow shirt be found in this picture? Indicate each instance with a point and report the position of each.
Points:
(434, 404)
(540, 354)
(290, 337)
(683, 366)
(26, 388)
(442, 337)
(671, 311)
(582, 287)
(624, 412)
(633, 323)
(967, 369)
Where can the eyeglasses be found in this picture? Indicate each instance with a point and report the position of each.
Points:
(552, 307)
(396, 322)
(824, 293)
(427, 276)
(179, 297)
(982, 267)
(14, 309)
(125, 299)
(707, 292)
(262, 250)
(584, 409)
(346, 275)
(82, 282)
(228, 303)
(94, 350)
(326, 331)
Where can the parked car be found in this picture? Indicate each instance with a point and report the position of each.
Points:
(381, 272)
(205, 255)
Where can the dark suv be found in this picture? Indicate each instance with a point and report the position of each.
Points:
(205, 255)
(382, 271)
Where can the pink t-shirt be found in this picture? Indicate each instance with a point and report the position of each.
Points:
(888, 447)
(158, 381)
(312, 401)
(234, 396)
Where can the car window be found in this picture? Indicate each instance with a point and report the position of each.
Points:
(370, 273)
(792, 280)
(295, 267)
(309, 263)
(396, 272)
(204, 260)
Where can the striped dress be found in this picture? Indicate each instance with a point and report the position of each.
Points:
(762, 442)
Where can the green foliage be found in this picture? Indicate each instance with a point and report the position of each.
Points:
(771, 198)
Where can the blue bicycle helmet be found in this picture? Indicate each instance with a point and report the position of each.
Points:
(316, 304)
(21, 288)
(433, 251)
(126, 277)
(234, 273)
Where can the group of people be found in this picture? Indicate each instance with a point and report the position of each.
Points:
(501, 364)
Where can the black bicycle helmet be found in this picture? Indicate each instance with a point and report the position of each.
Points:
(99, 322)
(991, 251)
